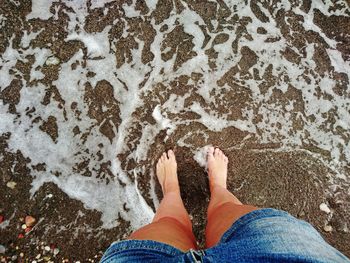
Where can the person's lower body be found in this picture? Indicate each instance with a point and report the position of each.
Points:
(234, 232)
(172, 224)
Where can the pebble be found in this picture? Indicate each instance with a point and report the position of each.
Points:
(34, 261)
(328, 228)
(1, 219)
(47, 248)
(11, 184)
(24, 226)
(27, 229)
(29, 220)
(52, 61)
(38, 256)
(21, 254)
(14, 257)
(324, 207)
(20, 235)
(56, 251)
(2, 249)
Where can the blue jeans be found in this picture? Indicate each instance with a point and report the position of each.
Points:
(264, 235)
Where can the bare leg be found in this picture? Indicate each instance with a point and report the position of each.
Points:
(224, 208)
(171, 223)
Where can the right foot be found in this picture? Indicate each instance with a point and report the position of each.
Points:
(217, 167)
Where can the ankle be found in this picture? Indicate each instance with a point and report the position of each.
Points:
(215, 186)
(171, 188)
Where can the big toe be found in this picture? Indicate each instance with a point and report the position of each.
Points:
(210, 152)
(217, 152)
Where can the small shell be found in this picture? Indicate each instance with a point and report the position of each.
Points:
(52, 61)
(56, 251)
(11, 184)
(328, 228)
(29, 220)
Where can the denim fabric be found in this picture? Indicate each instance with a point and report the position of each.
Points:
(264, 235)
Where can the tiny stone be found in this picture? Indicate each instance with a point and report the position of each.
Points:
(47, 248)
(328, 228)
(2, 249)
(21, 254)
(17, 247)
(38, 256)
(56, 251)
(24, 226)
(34, 261)
(50, 195)
(324, 207)
(14, 257)
(11, 184)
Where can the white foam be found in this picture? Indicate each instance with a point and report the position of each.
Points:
(68, 150)
(99, 3)
(28, 37)
(130, 11)
(338, 62)
(8, 61)
(200, 156)
(97, 44)
(151, 4)
(41, 9)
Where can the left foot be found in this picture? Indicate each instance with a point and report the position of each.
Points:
(166, 172)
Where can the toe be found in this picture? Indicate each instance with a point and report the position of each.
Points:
(162, 158)
(217, 152)
(211, 150)
(221, 154)
(171, 155)
(210, 154)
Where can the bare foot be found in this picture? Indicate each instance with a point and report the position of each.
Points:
(217, 167)
(166, 172)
